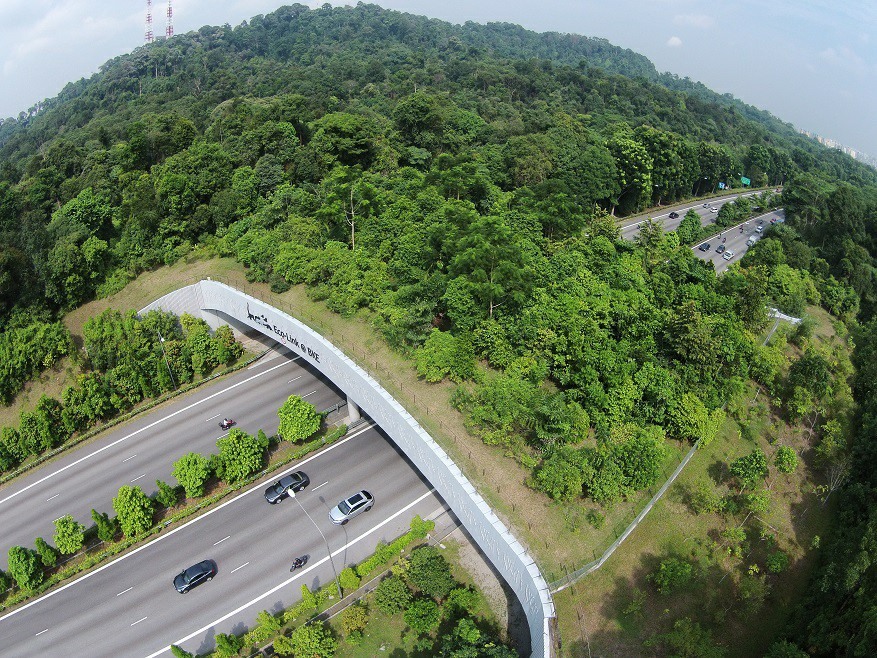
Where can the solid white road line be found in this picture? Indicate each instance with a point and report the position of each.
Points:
(127, 459)
(124, 590)
(295, 577)
(88, 575)
(221, 540)
(240, 567)
(139, 620)
(136, 432)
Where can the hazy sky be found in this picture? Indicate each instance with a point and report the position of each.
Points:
(810, 62)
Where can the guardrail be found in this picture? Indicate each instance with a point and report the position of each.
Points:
(219, 303)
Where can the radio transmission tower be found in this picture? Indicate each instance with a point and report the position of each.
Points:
(149, 36)
(169, 30)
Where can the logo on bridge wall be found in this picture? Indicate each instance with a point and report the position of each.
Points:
(284, 336)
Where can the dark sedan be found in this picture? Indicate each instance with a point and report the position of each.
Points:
(194, 576)
(705, 246)
(280, 489)
(674, 215)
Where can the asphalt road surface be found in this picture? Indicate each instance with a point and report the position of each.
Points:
(735, 239)
(630, 227)
(144, 449)
(130, 607)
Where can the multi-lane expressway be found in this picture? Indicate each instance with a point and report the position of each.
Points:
(630, 226)
(143, 450)
(130, 608)
(736, 238)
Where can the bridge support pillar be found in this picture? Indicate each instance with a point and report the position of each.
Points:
(353, 416)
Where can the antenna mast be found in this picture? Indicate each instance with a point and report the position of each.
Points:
(149, 37)
(169, 30)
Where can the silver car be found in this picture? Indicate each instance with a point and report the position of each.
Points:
(354, 505)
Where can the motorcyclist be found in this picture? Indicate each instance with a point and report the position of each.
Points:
(297, 563)
(226, 422)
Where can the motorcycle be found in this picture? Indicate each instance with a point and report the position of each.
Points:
(299, 563)
(226, 423)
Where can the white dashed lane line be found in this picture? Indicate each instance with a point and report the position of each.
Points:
(221, 540)
(138, 477)
(212, 417)
(53, 497)
(306, 395)
(124, 590)
(41, 632)
(127, 459)
(240, 567)
(320, 485)
(139, 620)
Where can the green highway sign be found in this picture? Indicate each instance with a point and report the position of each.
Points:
(745, 180)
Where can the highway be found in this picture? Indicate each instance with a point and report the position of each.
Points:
(735, 239)
(630, 226)
(144, 449)
(130, 608)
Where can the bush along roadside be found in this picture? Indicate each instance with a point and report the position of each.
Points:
(136, 515)
(440, 614)
(54, 426)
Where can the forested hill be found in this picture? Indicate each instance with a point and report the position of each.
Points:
(339, 53)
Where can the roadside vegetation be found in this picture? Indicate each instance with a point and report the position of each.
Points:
(442, 202)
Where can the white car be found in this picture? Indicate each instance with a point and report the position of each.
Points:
(714, 210)
(355, 505)
(728, 255)
(759, 228)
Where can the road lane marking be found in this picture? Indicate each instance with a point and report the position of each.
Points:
(41, 632)
(359, 432)
(304, 396)
(136, 432)
(139, 620)
(221, 540)
(212, 417)
(127, 459)
(58, 519)
(123, 591)
(298, 574)
(221, 437)
(267, 359)
(240, 567)
(53, 497)
(295, 379)
(138, 477)
(320, 485)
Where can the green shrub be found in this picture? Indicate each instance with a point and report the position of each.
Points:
(69, 535)
(672, 574)
(348, 579)
(429, 571)
(777, 562)
(422, 615)
(392, 595)
(48, 554)
(354, 618)
(167, 495)
(107, 528)
(786, 460)
(24, 566)
(311, 640)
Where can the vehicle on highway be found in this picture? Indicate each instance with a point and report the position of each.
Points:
(280, 489)
(355, 505)
(720, 248)
(728, 255)
(714, 210)
(759, 228)
(751, 241)
(194, 576)
(705, 246)
(226, 423)
(706, 205)
(674, 215)
(773, 220)
(299, 562)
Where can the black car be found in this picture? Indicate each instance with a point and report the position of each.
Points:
(705, 246)
(280, 489)
(720, 248)
(194, 576)
(674, 215)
